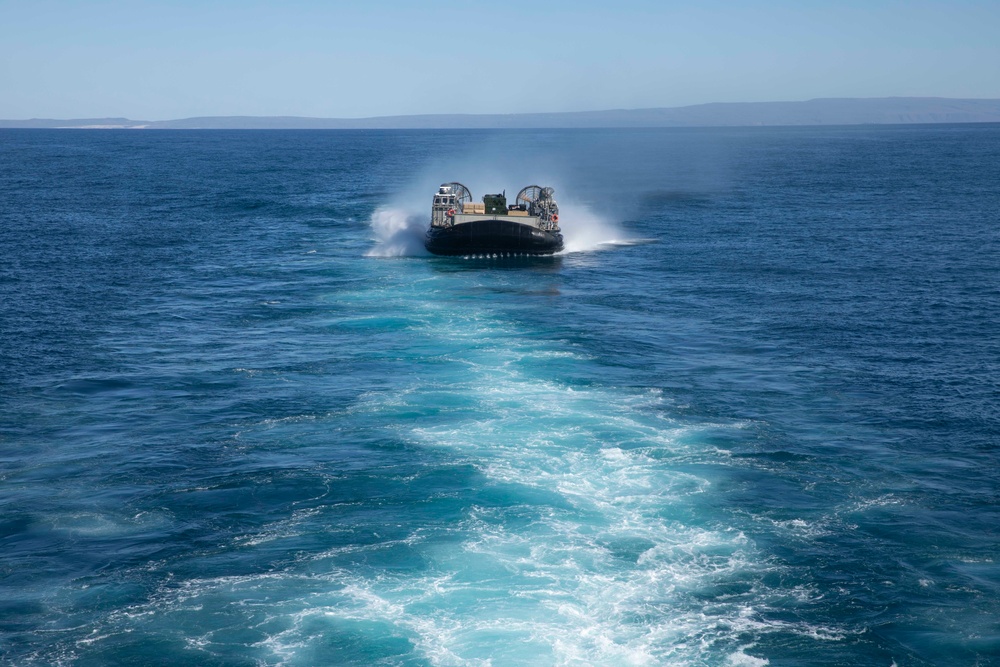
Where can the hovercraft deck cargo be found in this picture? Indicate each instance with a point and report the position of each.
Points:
(459, 226)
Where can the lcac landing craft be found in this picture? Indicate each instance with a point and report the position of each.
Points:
(530, 226)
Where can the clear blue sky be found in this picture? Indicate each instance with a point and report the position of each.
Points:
(161, 60)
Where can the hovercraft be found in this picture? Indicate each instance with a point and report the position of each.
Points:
(459, 226)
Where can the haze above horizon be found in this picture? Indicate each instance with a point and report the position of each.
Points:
(161, 60)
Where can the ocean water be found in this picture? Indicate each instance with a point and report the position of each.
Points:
(750, 417)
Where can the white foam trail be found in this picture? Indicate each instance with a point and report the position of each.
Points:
(398, 232)
(741, 659)
(584, 547)
(597, 566)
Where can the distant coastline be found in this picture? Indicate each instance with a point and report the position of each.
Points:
(832, 111)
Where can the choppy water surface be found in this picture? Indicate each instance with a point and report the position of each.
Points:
(750, 417)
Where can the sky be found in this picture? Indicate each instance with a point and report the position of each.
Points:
(155, 60)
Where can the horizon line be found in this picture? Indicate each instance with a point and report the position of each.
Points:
(511, 113)
(816, 111)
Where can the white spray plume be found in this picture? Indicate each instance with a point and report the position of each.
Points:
(400, 225)
(584, 230)
(398, 232)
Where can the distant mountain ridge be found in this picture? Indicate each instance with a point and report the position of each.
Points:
(830, 111)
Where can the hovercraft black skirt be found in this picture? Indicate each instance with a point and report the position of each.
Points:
(490, 236)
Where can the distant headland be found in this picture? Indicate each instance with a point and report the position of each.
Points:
(832, 111)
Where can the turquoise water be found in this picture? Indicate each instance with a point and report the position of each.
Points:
(749, 417)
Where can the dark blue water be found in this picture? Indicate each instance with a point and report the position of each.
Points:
(751, 417)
